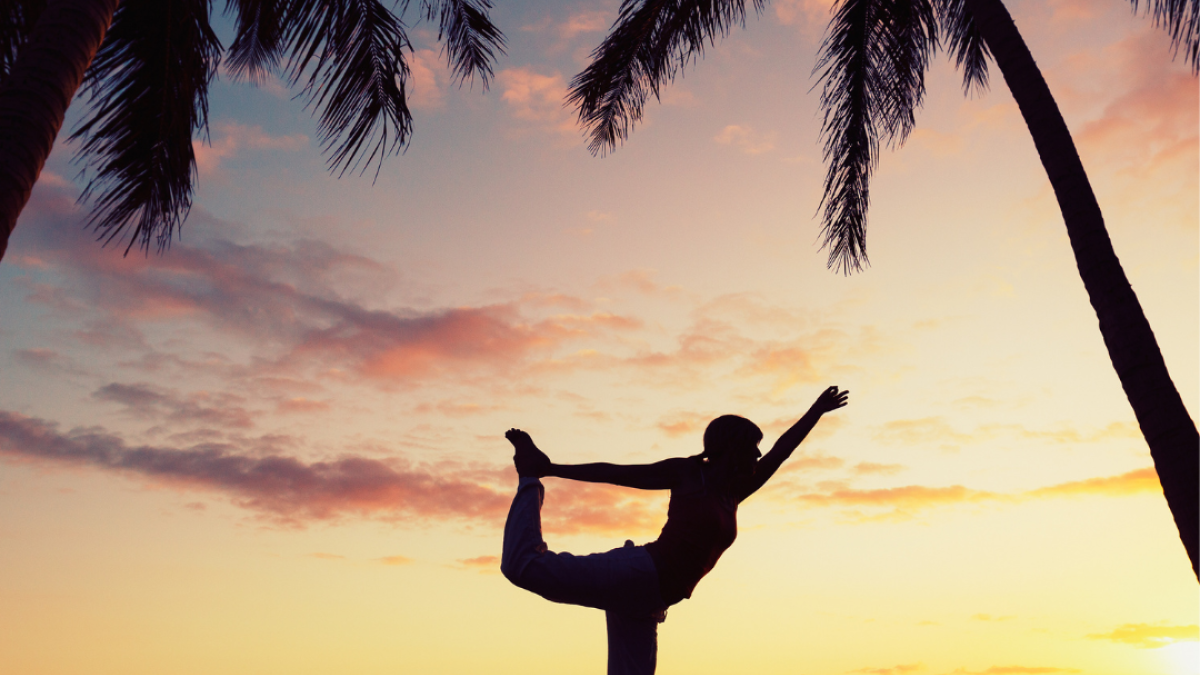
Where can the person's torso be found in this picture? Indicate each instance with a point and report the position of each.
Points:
(700, 525)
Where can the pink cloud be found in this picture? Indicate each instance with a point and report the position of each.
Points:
(481, 561)
(583, 22)
(1147, 133)
(281, 488)
(290, 491)
(302, 405)
(283, 299)
(537, 98)
(232, 138)
(746, 139)
(147, 401)
(684, 423)
(426, 81)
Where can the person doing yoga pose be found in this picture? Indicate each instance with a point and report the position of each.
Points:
(634, 585)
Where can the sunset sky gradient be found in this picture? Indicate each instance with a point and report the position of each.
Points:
(278, 448)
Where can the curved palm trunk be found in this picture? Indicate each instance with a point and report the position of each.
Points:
(35, 95)
(1160, 412)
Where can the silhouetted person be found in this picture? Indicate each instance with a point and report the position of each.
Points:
(634, 585)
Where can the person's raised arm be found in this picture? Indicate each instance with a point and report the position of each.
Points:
(531, 461)
(830, 399)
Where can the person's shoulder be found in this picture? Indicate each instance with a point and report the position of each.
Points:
(684, 470)
(682, 465)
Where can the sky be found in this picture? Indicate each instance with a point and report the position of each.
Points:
(278, 447)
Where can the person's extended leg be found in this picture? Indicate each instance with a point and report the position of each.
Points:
(623, 579)
(523, 530)
(632, 643)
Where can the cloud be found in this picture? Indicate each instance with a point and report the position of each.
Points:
(147, 401)
(579, 23)
(994, 670)
(1017, 670)
(426, 81)
(1147, 134)
(289, 491)
(874, 469)
(642, 281)
(484, 564)
(302, 405)
(684, 423)
(294, 310)
(456, 408)
(746, 139)
(282, 488)
(232, 138)
(537, 98)
(924, 431)
(806, 462)
(905, 502)
(283, 301)
(936, 431)
(48, 360)
(1134, 482)
(808, 14)
(1072, 10)
(395, 560)
(1150, 636)
(583, 22)
(894, 670)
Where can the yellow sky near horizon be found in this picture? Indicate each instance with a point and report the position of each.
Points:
(278, 447)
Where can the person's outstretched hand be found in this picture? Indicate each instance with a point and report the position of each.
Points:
(528, 459)
(830, 399)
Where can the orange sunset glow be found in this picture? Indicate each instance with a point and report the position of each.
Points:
(278, 447)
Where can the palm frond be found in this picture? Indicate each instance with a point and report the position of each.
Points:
(255, 51)
(873, 63)
(1181, 20)
(147, 89)
(16, 20)
(351, 54)
(965, 44)
(650, 42)
(469, 37)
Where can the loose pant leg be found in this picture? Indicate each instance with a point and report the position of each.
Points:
(623, 579)
(632, 643)
(523, 530)
(623, 582)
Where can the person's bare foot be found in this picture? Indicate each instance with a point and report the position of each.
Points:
(528, 459)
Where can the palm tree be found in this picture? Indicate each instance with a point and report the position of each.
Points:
(873, 63)
(145, 67)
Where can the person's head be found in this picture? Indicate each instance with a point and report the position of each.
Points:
(730, 437)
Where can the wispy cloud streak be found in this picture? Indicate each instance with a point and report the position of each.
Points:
(284, 488)
(904, 502)
(290, 491)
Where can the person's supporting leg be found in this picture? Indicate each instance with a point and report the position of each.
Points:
(632, 643)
